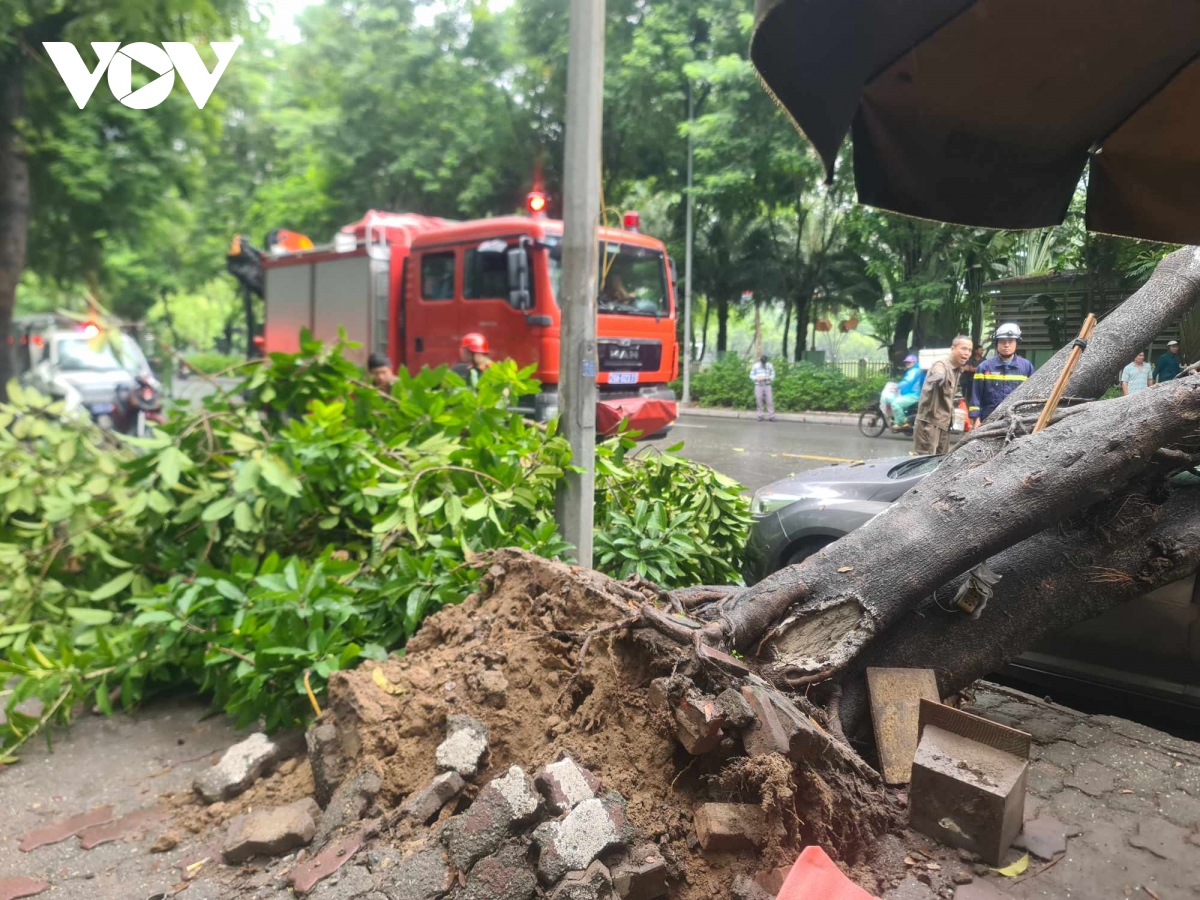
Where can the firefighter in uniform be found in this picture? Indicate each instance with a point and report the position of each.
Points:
(999, 375)
(475, 360)
(935, 408)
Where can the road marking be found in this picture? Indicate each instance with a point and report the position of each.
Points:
(832, 459)
(682, 425)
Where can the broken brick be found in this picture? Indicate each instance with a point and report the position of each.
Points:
(428, 802)
(271, 832)
(565, 784)
(117, 829)
(730, 826)
(422, 875)
(642, 875)
(594, 883)
(21, 886)
(65, 828)
(698, 723)
(503, 876)
(593, 827)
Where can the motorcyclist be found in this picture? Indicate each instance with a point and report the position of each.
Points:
(999, 375)
(908, 392)
(475, 360)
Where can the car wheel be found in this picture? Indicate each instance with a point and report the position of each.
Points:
(802, 551)
(871, 423)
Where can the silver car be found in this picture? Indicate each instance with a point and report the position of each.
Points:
(1149, 647)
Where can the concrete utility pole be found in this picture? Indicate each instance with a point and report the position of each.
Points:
(581, 258)
(687, 268)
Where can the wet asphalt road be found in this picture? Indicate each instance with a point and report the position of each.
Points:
(757, 453)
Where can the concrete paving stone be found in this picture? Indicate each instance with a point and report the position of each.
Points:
(1137, 804)
(1092, 778)
(242, 765)
(1142, 779)
(503, 876)
(422, 875)
(1164, 840)
(593, 827)
(1045, 836)
(1049, 727)
(1108, 836)
(465, 746)
(1187, 778)
(1073, 806)
(271, 832)
(351, 883)
(1181, 809)
(1062, 754)
(565, 784)
(910, 889)
(1045, 779)
(1086, 734)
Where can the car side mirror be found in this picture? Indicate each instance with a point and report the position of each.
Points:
(518, 279)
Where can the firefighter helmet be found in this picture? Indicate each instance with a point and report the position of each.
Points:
(475, 342)
(1008, 331)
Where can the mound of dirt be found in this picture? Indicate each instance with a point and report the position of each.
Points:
(546, 665)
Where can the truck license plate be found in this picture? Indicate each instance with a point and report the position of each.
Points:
(623, 378)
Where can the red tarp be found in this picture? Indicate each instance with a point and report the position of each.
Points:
(816, 877)
(642, 413)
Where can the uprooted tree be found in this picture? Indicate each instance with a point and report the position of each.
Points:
(1044, 510)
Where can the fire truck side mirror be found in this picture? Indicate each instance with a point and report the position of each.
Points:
(518, 279)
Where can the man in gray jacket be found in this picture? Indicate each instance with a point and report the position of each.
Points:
(762, 373)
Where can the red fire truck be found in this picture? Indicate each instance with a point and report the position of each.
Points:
(411, 286)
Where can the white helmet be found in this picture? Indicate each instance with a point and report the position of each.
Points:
(1009, 330)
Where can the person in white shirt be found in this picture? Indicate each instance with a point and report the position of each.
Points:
(762, 373)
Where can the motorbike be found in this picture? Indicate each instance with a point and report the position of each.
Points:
(875, 420)
(136, 406)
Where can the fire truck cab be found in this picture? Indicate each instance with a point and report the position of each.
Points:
(411, 286)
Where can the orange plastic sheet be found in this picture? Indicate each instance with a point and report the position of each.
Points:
(816, 877)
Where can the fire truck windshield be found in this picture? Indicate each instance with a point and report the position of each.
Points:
(633, 280)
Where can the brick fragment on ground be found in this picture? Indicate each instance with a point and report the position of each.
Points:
(308, 873)
(118, 829)
(424, 874)
(351, 800)
(745, 888)
(465, 746)
(65, 828)
(730, 826)
(565, 784)
(1092, 778)
(479, 831)
(737, 711)
(698, 721)
(594, 883)
(21, 886)
(593, 827)
(1045, 836)
(271, 832)
(327, 760)
(241, 766)
(642, 875)
(503, 876)
(426, 803)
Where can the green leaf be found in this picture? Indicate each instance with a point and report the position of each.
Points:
(171, 462)
(113, 587)
(243, 517)
(94, 617)
(247, 476)
(276, 473)
(432, 506)
(219, 509)
(242, 443)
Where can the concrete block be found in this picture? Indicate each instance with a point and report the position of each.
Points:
(465, 746)
(896, 696)
(242, 765)
(271, 832)
(730, 826)
(968, 781)
(593, 827)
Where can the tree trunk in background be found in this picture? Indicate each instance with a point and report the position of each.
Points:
(704, 337)
(758, 348)
(787, 324)
(14, 208)
(802, 309)
(904, 327)
(722, 325)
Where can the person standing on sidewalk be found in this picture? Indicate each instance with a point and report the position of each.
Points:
(1168, 365)
(1137, 375)
(762, 373)
(935, 409)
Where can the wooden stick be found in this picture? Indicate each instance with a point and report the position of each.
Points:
(1060, 386)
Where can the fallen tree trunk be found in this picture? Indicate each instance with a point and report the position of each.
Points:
(809, 621)
(1114, 553)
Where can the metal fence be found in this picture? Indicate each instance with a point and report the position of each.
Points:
(861, 368)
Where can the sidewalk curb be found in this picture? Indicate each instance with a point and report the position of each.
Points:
(809, 418)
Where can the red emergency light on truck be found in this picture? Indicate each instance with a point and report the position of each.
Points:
(411, 286)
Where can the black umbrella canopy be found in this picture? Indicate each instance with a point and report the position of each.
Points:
(985, 112)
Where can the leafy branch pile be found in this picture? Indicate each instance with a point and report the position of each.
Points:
(293, 527)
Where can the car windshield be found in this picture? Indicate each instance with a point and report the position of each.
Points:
(912, 467)
(83, 354)
(633, 280)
